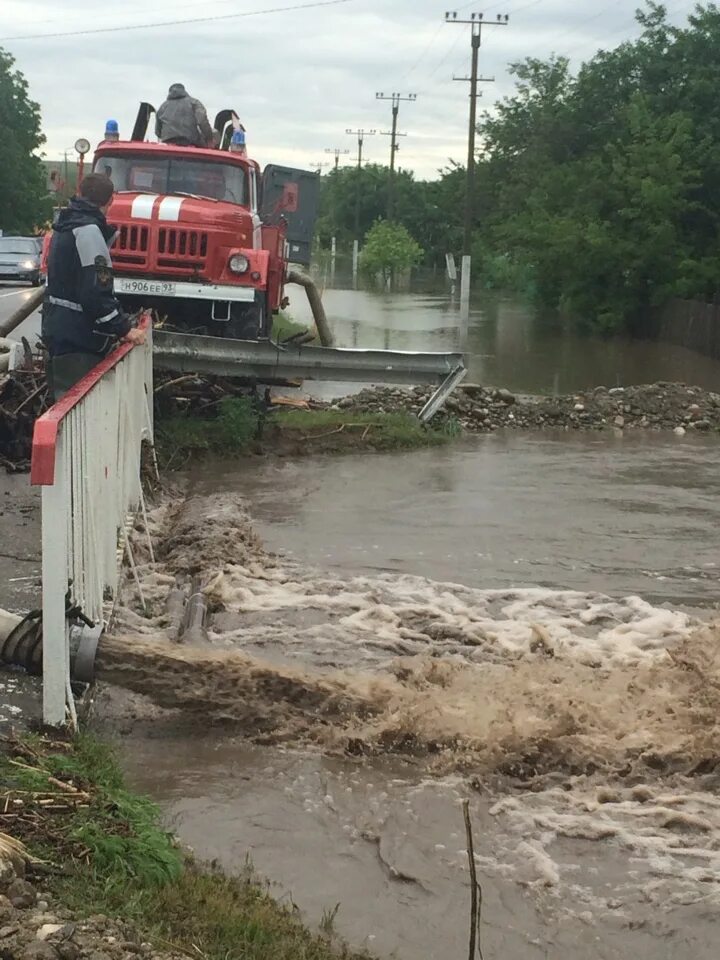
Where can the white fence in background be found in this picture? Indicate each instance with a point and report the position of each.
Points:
(87, 459)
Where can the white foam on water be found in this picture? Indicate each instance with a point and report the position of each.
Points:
(669, 839)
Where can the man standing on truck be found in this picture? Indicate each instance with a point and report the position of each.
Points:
(82, 320)
(183, 120)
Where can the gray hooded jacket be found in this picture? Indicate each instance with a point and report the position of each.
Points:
(183, 119)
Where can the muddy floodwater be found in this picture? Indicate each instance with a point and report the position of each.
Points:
(637, 513)
(507, 346)
(507, 595)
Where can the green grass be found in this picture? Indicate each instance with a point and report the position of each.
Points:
(232, 430)
(285, 327)
(114, 858)
(380, 431)
(235, 430)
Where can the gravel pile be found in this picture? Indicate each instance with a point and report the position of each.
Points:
(32, 927)
(658, 406)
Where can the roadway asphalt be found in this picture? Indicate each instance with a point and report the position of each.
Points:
(11, 298)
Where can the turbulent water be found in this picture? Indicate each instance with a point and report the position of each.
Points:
(351, 715)
(517, 680)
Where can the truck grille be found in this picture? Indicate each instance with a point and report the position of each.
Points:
(132, 238)
(168, 250)
(182, 242)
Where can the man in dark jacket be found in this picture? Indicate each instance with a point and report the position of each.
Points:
(82, 319)
(182, 120)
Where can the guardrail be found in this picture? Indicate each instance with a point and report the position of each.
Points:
(87, 457)
(263, 361)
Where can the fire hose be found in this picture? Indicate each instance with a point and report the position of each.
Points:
(21, 641)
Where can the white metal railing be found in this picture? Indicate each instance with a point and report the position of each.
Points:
(87, 459)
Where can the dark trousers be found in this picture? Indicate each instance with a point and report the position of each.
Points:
(66, 370)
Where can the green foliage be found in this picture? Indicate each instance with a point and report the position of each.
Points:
(388, 251)
(238, 422)
(24, 203)
(430, 210)
(598, 189)
(231, 431)
(604, 185)
(285, 327)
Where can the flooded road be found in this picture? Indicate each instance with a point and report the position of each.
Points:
(437, 582)
(507, 345)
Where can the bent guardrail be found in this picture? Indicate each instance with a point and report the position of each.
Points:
(87, 458)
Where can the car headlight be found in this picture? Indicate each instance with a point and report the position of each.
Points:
(28, 265)
(239, 263)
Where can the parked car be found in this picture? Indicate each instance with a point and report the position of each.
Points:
(20, 259)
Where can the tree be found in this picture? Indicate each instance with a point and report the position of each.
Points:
(606, 184)
(388, 251)
(24, 202)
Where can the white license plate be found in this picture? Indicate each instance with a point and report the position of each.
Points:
(152, 288)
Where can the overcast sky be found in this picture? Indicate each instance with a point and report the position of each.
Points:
(297, 78)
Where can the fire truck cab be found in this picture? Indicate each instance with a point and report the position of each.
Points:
(194, 240)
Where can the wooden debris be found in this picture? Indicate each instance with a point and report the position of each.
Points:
(23, 398)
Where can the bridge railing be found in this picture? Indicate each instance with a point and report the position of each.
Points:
(87, 458)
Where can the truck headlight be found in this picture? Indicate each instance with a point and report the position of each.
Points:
(239, 263)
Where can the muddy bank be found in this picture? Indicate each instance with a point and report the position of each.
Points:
(660, 406)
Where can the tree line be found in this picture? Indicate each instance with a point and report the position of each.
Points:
(24, 202)
(598, 191)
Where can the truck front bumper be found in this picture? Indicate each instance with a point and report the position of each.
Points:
(223, 292)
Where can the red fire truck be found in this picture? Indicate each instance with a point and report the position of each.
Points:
(204, 237)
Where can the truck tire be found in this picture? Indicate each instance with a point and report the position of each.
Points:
(248, 321)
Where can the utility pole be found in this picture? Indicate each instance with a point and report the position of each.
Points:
(476, 23)
(338, 153)
(360, 134)
(396, 99)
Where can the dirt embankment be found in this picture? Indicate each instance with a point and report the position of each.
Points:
(659, 406)
(34, 925)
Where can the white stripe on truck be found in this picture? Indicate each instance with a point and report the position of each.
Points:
(142, 206)
(170, 208)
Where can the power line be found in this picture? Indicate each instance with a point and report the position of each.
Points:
(167, 7)
(175, 23)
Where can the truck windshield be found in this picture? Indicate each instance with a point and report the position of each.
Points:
(168, 175)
